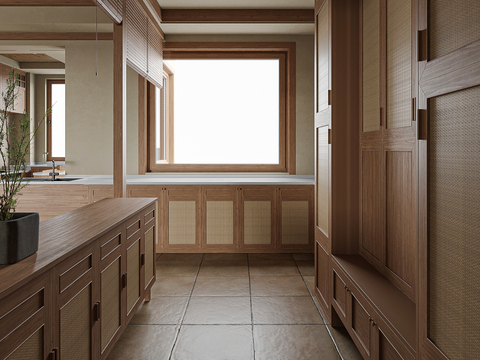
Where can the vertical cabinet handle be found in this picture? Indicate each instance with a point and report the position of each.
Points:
(142, 259)
(53, 354)
(124, 280)
(96, 311)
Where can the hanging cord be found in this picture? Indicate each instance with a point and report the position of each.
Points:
(96, 38)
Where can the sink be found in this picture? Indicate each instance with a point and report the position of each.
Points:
(49, 179)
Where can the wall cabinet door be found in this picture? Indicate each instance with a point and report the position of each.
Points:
(256, 212)
(112, 294)
(76, 326)
(25, 321)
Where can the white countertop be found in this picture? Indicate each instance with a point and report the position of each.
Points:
(176, 179)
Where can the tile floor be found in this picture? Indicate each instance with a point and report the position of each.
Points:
(233, 306)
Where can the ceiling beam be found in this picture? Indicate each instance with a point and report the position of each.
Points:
(41, 65)
(54, 36)
(47, 2)
(156, 7)
(182, 16)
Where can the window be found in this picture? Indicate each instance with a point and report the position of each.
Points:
(224, 107)
(56, 119)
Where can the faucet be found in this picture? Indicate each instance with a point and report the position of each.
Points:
(53, 173)
(44, 157)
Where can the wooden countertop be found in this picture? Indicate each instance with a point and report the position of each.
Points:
(62, 235)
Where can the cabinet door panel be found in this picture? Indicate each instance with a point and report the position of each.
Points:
(340, 295)
(399, 64)
(133, 275)
(322, 283)
(75, 326)
(322, 180)
(149, 256)
(361, 327)
(23, 321)
(110, 318)
(323, 57)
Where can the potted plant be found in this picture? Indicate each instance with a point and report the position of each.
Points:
(18, 231)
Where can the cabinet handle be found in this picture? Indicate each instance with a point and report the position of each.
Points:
(97, 311)
(53, 354)
(142, 259)
(124, 280)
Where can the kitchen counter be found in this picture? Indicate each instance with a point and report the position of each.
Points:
(176, 179)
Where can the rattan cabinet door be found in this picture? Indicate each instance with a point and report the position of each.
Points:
(131, 279)
(75, 327)
(111, 289)
(24, 322)
(148, 256)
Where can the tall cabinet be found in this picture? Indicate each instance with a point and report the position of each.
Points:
(449, 210)
(336, 137)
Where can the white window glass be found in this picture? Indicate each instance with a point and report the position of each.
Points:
(58, 120)
(226, 111)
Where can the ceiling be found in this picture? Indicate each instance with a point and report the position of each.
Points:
(237, 4)
(217, 29)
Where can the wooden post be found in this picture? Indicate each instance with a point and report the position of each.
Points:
(119, 113)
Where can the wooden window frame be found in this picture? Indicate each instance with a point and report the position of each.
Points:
(169, 80)
(49, 119)
(285, 52)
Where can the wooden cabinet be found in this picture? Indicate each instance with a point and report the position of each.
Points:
(20, 104)
(25, 321)
(336, 134)
(387, 139)
(76, 291)
(89, 286)
(363, 300)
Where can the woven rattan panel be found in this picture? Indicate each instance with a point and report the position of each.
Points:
(322, 178)
(399, 64)
(219, 222)
(452, 25)
(295, 222)
(155, 55)
(454, 219)
(181, 222)
(371, 239)
(32, 349)
(110, 303)
(75, 333)
(133, 274)
(114, 8)
(136, 25)
(371, 62)
(322, 58)
(149, 255)
(257, 222)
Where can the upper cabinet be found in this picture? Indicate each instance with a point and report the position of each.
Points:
(387, 139)
(20, 104)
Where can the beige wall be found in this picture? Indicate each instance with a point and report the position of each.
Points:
(305, 90)
(89, 108)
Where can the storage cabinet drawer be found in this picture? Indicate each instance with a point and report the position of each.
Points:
(339, 295)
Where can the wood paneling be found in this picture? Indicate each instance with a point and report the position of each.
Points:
(323, 275)
(340, 294)
(237, 16)
(400, 220)
(372, 217)
(48, 3)
(361, 326)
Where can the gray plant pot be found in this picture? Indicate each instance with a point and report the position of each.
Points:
(18, 237)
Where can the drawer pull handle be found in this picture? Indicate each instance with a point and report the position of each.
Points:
(142, 259)
(53, 354)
